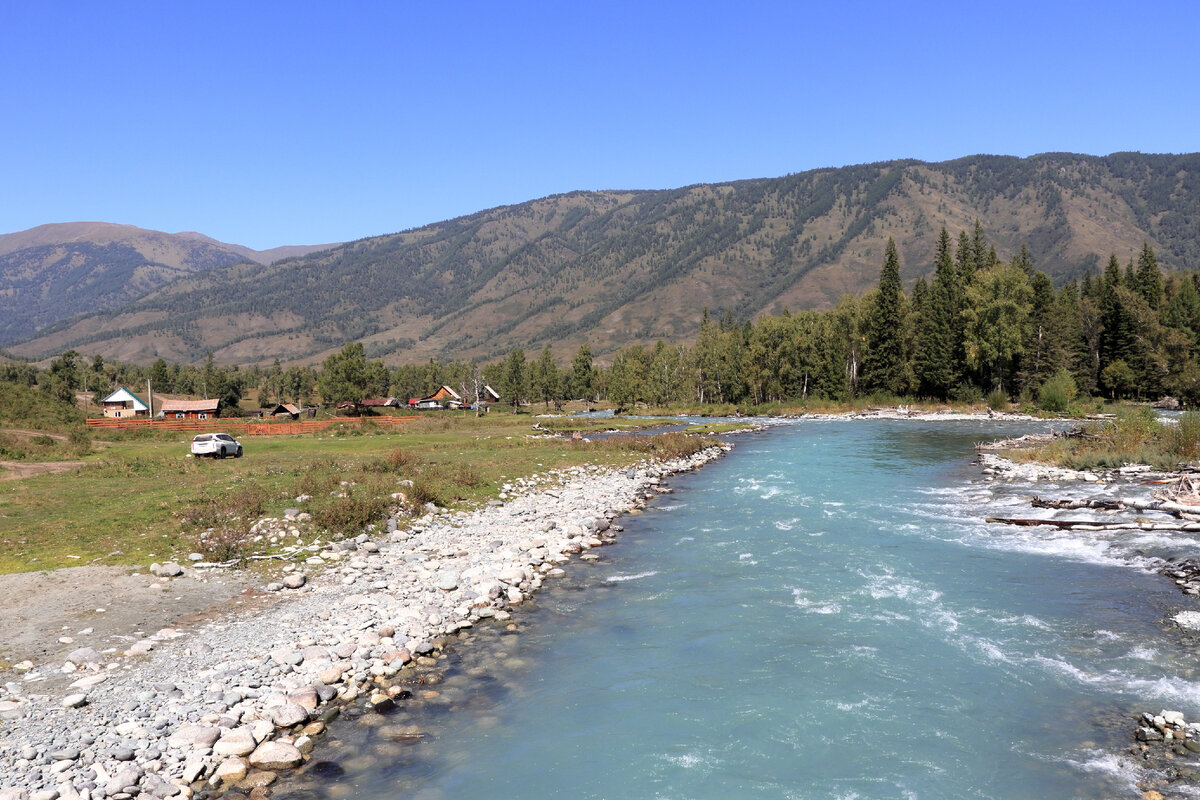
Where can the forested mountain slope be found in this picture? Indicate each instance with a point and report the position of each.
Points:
(55, 271)
(612, 268)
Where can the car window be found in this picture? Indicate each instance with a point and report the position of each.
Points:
(204, 437)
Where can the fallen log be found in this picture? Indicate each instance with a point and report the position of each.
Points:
(1091, 525)
(1104, 505)
(1165, 506)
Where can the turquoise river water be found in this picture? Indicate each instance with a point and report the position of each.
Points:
(823, 613)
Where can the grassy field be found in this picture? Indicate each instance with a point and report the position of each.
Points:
(139, 497)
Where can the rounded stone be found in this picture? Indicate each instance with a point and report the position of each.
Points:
(275, 755)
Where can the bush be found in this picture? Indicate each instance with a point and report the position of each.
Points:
(399, 460)
(348, 515)
(426, 489)
(1189, 435)
(967, 393)
(1057, 393)
(227, 519)
(997, 400)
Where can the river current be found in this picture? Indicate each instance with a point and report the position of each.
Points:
(823, 613)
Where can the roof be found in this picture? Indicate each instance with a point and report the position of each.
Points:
(491, 391)
(123, 395)
(444, 391)
(172, 406)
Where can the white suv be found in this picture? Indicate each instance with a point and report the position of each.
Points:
(217, 445)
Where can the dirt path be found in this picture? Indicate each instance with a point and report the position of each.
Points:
(16, 470)
(25, 433)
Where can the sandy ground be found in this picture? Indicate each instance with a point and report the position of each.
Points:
(41, 611)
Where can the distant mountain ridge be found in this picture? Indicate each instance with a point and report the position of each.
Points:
(60, 270)
(616, 267)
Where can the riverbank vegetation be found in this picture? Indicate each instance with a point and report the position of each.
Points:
(1134, 435)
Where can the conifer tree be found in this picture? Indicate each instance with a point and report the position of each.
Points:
(1149, 278)
(514, 379)
(543, 377)
(1116, 339)
(964, 258)
(939, 336)
(583, 375)
(883, 367)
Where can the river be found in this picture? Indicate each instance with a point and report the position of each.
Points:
(823, 613)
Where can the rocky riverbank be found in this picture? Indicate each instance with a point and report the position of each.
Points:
(1162, 742)
(231, 701)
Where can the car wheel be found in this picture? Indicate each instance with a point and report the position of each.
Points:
(238, 454)
(220, 453)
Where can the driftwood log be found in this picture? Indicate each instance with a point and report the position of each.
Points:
(1092, 525)
(1165, 506)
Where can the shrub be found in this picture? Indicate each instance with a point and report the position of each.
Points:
(426, 489)
(967, 393)
(1189, 435)
(399, 460)
(997, 400)
(227, 519)
(346, 515)
(1058, 392)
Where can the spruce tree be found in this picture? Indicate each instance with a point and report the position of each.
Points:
(964, 258)
(939, 334)
(883, 367)
(1149, 278)
(982, 254)
(583, 375)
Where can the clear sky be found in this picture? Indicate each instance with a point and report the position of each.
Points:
(267, 124)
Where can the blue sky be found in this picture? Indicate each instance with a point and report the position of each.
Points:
(268, 123)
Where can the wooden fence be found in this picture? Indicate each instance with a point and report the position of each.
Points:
(243, 427)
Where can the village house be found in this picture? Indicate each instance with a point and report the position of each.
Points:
(357, 406)
(283, 410)
(444, 397)
(190, 409)
(124, 404)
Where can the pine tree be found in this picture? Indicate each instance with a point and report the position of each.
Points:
(939, 335)
(1149, 278)
(583, 375)
(515, 377)
(543, 377)
(1117, 336)
(964, 258)
(883, 367)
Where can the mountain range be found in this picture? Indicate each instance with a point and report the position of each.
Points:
(55, 271)
(609, 268)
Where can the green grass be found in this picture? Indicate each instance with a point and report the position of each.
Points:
(139, 498)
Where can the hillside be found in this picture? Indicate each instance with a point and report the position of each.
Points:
(615, 267)
(52, 272)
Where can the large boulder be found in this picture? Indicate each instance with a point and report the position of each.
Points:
(275, 755)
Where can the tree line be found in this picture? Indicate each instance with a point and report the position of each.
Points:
(978, 325)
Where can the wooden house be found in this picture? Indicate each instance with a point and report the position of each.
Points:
(190, 409)
(444, 397)
(283, 411)
(124, 404)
